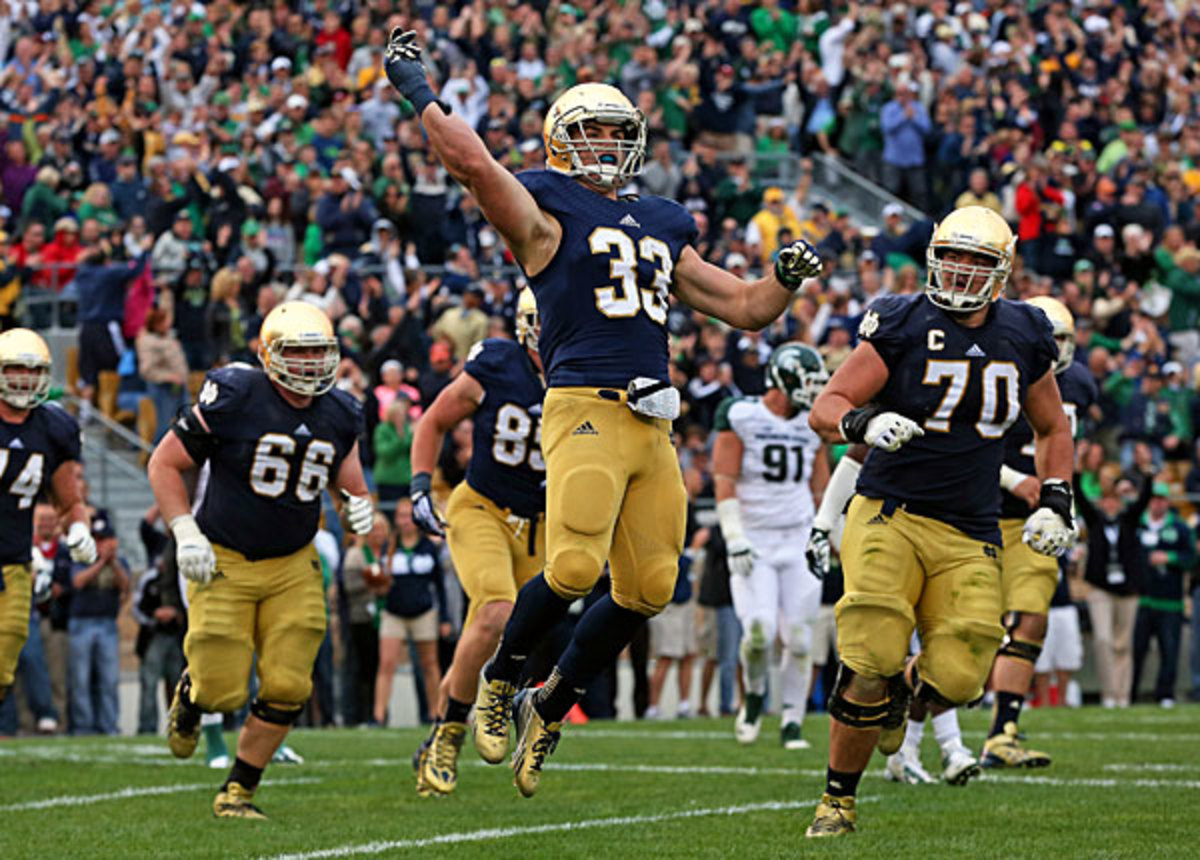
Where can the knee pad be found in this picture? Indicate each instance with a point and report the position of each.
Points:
(755, 643)
(799, 640)
(855, 714)
(656, 582)
(874, 632)
(280, 715)
(587, 500)
(950, 683)
(573, 573)
(1018, 650)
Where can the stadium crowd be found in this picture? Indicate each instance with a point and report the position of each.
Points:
(169, 172)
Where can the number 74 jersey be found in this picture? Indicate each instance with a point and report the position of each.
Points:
(773, 486)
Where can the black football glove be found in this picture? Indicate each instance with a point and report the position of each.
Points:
(797, 263)
(818, 553)
(402, 63)
(425, 513)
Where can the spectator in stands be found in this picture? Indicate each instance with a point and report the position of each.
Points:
(172, 248)
(363, 581)
(393, 446)
(673, 638)
(159, 647)
(61, 253)
(43, 204)
(163, 366)
(465, 325)
(345, 214)
(763, 229)
(905, 124)
(437, 376)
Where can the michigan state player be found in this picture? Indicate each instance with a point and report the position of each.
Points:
(274, 438)
(768, 464)
(494, 521)
(932, 387)
(1029, 578)
(602, 267)
(39, 450)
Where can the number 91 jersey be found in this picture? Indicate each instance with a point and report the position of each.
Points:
(270, 462)
(506, 450)
(603, 297)
(965, 387)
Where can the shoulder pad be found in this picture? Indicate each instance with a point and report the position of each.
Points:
(722, 420)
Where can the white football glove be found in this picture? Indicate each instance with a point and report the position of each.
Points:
(818, 553)
(81, 543)
(889, 430)
(797, 263)
(360, 512)
(740, 556)
(1050, 530)
(43, 576)
(193, 552)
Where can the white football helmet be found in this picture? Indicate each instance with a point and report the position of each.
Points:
(959, 286)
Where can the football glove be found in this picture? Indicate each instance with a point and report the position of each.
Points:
(740, 556)
(43, 576)
(80, 543)
(818, 553)
(403, 66)
(1050, 530)
(193, 553)
(884, 430)
(425, 512)
(359, 511)
(797, 263)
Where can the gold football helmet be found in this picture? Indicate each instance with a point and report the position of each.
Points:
(1064, 329)
(569, 149)
(24, 368)
(298, 350)
(969, 259)
(529, 324)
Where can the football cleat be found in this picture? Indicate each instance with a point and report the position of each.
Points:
(536, 739)
(789, 736)
(905, 767)
(234, 802)
(493, 707)
(438, 765)
(286, 755)
(183, 721)
(959, 766)
(749, 719)
(1005, 750)
(835, 817)
(424, 789)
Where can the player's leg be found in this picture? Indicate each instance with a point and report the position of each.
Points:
(16, 593)
(799, 604)
(289, 629)
(1028, 579)
(875, 619)
(959, 765)
(904, 766)
(756, 602)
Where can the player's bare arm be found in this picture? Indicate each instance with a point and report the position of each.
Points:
(165, 470)
(64, 484)
(820, 475)
(743, 305)
(456, 401)
(856, 383)
(1051, 429)
(727, 464)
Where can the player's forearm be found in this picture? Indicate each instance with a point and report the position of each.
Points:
(765, 300)
(724, 487)
(827, 414)
(1055, 454)
(427, 442)
(170, 490)
(459, 148)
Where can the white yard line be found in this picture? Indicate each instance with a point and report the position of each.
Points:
(685, 735)
(1138, 767)
(125, 793)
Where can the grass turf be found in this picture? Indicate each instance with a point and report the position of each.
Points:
(1123, 784)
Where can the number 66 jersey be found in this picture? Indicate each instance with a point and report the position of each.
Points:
(270, 461)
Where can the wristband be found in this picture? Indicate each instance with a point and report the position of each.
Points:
(854, 423)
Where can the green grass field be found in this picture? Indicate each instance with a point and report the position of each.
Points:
(1124, 784)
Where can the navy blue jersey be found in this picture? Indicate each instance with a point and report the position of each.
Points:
(965, 387)
(603, 298)
(417, 583)
(30, 453)
(506, 452)
(270, 462)
(1078, 390)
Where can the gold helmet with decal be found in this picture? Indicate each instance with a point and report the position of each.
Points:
(1064, 329)
(569, 148)
(529, 324)
(963, 285)
(298, 350)
(24, 368)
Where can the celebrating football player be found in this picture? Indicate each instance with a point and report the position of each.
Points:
(39, 449)
(274, 438)
(494, 522)
(768, 464)
(602, 267)
(932, 387)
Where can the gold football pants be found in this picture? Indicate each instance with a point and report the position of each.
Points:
(1028, 578)
(15, 600)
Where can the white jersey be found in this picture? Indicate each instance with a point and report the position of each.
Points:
(777, 461)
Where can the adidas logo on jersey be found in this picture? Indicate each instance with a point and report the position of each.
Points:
(16, 444)
(585, 429)
(629, 221)
(302, 430)
(975, 351)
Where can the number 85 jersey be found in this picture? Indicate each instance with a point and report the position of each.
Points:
(506, 448)
(270, 462)
(965, 387)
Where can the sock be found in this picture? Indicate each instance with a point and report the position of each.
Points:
(1008, 710)
(214, 741)
(456, 711)
(244, 774)
(536, 611)
(601, 634)
(913, 734)
(946, 730)
(795, 675)
(841, 784)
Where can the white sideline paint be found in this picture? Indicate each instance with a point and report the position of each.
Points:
(1154, 768)
(507, 832)
(125, 793)
(684, 735)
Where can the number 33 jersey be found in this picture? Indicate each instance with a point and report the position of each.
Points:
(965, 387)
(270, 462)
(603, 297)
(506, 450)
(777, 461)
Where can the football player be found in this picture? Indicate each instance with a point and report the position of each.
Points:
(1029, 578)
(602, 267)
(933, 386)
(274, 438)
(768, 464)
(494, 520)
(39, 450)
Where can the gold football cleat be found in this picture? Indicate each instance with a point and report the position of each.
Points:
(1005, 750)
(835, 817)
(183, 721)
(536, 739)
(493, 706)
(234, 802)
(437, 768)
